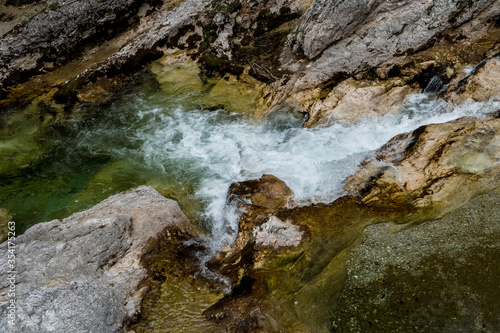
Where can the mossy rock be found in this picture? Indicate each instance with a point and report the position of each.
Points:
(178, 74)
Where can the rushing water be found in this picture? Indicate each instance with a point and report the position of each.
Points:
(150, 137)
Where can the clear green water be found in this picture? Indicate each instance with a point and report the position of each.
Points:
(50, 172)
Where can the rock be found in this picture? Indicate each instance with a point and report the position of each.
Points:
(373, 32)
(438, 274)
(268, 192)
(481, 86)
(382, 40)
(242, 94)
(76, 66)
(20, 145)
(352, 100)
(415, 177)
(102, 90)
(178, 74)
(165, 27)
(84, 273)
(55, 34)
(432, 167)
(277, 234)
(258, 201)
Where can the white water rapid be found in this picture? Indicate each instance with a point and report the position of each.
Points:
(212, 149)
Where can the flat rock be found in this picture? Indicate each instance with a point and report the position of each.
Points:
(440, 276)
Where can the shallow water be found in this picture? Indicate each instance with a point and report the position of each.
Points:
(149, 136)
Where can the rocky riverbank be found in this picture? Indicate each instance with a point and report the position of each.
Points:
(412, 243)
(321, 59)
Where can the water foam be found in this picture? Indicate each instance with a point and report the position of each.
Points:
(212, 149)
(209, 150)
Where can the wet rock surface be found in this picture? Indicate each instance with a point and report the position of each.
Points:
(435, 277)
(481, 85)
(432, 166)
(84, 273)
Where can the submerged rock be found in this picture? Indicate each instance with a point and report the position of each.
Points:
(178, 74)
(438, 276)
(84, 273)
(236, 94)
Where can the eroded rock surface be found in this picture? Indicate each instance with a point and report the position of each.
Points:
(298, 54)
(83, 273)
(432, 166)
(352, 101)
(482, 85)
(51, 37)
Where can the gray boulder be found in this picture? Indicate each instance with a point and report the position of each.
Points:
(83, 273)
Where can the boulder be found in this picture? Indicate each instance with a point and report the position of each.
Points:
(352, 101)
(438, 166)
(268, 192)
(84, 273)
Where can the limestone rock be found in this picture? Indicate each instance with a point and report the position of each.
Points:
(407, 40)
(277, 234)
(352, 100)
(268, 192)
(58, 48)
(481, 86)
(432, 166)
(373, 32)
(83, 273)
(53, 35)
(258, 201)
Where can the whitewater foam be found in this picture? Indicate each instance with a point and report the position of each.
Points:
(209, 150)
